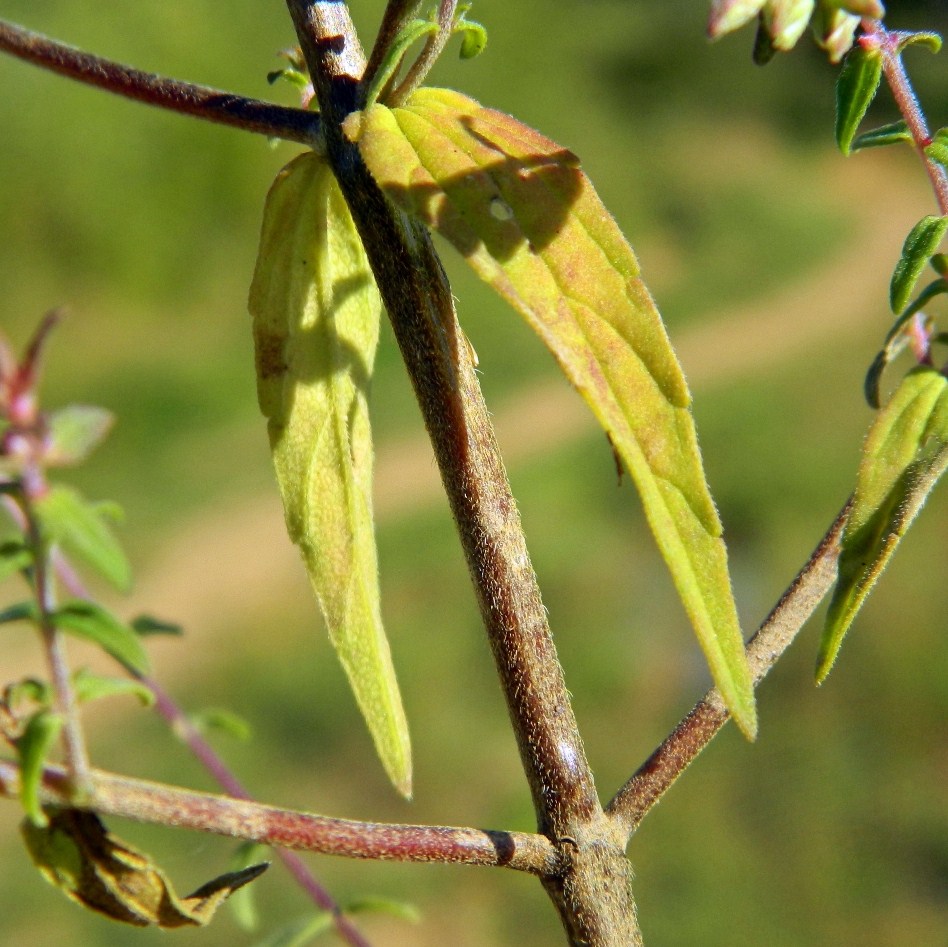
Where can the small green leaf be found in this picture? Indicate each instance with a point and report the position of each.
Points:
(223, 721)
(884, 135)
(316, 313)
(856, 87)
(906, 451)
(148, 625)
(411, 33)
(74, 432)
(299, 933)
(375, 905)
(22, 611)
(930, 40)
(938, 149)
(919, 245)
(473, 35)
(939, 263)
(15, 556)
(81, 528)
(96, 869)
(530, 224)
(28, 689)
(33, 749)
(88, 687)
(94, 623)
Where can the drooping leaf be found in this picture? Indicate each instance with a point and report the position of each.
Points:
(33, 749)
(21, 611)
(906, 451)
(92, 622)
(529, 222)
(316, 313)
(883, 135)
(930, 40)
(919, 245)
(96, 869)
(83, 531)
(74, 432)
(856, 87)
(243, 903)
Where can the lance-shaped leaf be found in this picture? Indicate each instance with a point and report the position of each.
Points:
(919, 245)
(856, 87)
(96, 869)
(316, 313)
(906, 451)
(529, 222)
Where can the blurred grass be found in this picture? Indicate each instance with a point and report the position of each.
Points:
(832, 829)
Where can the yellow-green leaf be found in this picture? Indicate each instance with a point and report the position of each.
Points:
(96, 869)
(316, 313)
(529, 222)
(906, 451)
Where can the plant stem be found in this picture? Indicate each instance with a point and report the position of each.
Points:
(77, 759)
(397, 15)
(652, 780)
(213, 105)
(202, 750)
(160, 804)
(894, 71)
(592, 893)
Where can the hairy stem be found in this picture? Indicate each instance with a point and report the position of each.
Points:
(202, 750)
(160, 804)
(897, 78)
(653, 779)
(592, 893)
(213, 105)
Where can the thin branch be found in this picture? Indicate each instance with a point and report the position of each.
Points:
(397, 15)
(161, 804)
(897, 78)
(430, 52)
(212, 105)
(653, 779)
(178, 721)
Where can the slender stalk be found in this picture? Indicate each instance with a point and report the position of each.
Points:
(213, 105)
(430, 52)
(653, 779)
(397, 14)
(202, 750)
(74, 746)
(165, 805)
(897, 78)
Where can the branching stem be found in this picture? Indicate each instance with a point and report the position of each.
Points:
(213, 105)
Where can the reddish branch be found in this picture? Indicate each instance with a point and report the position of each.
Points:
(213, 105)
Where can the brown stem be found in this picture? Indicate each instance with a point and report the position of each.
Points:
(213, 105)
(592, 893)
(695, 732)
(160, 804)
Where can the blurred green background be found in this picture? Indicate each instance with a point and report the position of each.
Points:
(769, 255)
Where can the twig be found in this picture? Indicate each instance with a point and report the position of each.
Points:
(692, 735)
(397, 14)
(894, 71)
(213, 105)
(165, 805)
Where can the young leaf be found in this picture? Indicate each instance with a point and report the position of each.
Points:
(82, 529)
(224, 721)
(938, 149)
(299, 933)
(530, 224)
(243, 903)
(148, 625)
(919, 245)
(33, 748)
(94, 623)
(15, 556)
(884, 135)
(316, 313)
(906, 451)
(74, 432)
(21, 611)
(856, 87)
(89, 687)
(96, 869)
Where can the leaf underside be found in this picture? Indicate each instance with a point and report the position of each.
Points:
(528, 221)
(906, 452)
(316, 313)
